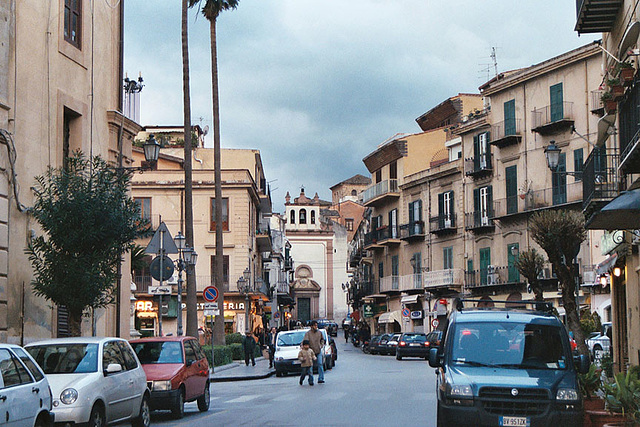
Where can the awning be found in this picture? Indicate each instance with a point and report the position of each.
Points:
(605, 266)
(372, 297)
(390, 317)
(409, 299)
(623, 212)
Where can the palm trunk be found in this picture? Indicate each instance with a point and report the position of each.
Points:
(192, 300)
(218, 329)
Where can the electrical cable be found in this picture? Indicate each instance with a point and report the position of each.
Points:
(7, 140)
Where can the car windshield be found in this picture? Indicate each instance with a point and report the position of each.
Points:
(508, 345)
(291, 339)
(158, 352)
(66, 358)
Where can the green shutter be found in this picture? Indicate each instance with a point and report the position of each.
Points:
(440, 211)
(510, 118)
(411, 218)
(476, 152)
(476, 207)
(556, 109)
(559, 181)
(451, 211)
(578, 163)
(511, 180)
(490, 201)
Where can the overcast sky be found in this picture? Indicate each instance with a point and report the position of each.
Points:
(316, 85)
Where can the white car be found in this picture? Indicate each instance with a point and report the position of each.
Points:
(94, 380)
(25, 396)
(288, 344)
(599, 344)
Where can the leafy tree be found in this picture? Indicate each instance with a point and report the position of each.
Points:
(211, 10)
(560, 233)
(89, 220)
(530, 263)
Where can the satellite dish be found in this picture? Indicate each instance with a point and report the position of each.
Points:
(205, 130)
(606, 125)
(629, 39)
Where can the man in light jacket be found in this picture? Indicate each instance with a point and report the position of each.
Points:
(316, 342)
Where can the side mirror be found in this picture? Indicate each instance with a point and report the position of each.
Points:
(434, 358)
(112, 368)
(582, 362)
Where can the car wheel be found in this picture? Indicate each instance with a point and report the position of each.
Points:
(398, 357)
(440, 422)
(144, 416)
(278, 374)
(43, 421)
(97, 417)
(178, 409)
(205, 399)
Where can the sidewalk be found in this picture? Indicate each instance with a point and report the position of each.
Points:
(238, 371)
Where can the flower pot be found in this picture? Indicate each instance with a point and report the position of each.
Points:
(626, 75)
(591, 404)
(611, 106)
(617, 92)
(600, 418)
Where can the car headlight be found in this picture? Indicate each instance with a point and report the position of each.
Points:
(461, 391)
(279, 359)
(161, 385)
(567, 394)
(69, 396)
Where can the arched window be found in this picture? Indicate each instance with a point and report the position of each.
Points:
(313, 217)
(303, 216)
(293, 216)
(354, 193)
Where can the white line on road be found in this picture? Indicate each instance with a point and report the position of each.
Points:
(245, 398)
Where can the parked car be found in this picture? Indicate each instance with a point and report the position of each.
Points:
(433, 339)
(391, 345)
(372, 344)
(288, 345)
(334, 351)
(412, 344)
(380, 347)
(599, 343)
(25, 396)
(509, 367)
(94, 380)
(177, 372)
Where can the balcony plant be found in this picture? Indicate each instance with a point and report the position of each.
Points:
(625, 72)
(616, 88)
(610, 104)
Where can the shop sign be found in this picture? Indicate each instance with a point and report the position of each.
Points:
(367, 311)
(145, 306)
(610, 241)
(416, 314)
(238, 306)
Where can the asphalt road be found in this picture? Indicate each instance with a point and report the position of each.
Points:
(362, 390)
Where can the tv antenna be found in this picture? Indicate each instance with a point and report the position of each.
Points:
(493, 66)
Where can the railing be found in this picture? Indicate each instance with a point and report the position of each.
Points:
(442, 278)
(381, 234)
(539, 199)
(479, 219)
(600, 176)
(142, 283)
(390, 283)
(596, 100)
(504, 129)
(411, 282)
(492, 276)
(478, 164)
(204, 281)
(380, 189)
(551, 114)
(282, 287)
(412, 229)
(367, 288)
(442, 223)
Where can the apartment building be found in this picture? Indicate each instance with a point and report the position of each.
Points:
(611, 173)
(246, 226)
(60, 90)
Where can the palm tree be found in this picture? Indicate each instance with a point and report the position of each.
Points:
(211, 10)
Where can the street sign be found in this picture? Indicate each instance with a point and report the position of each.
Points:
(167, 268)
(276, 315)
(210, 294)
(211, 312)
(210, 305)
(163, 236)
(368, 310)
(434, 323)
(160, 290)
(416, 314)
(406, 312)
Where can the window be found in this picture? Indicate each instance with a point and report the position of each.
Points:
(482, 205)
(511, 180)
(556, 111)
(510, 118)
(348, 223)
(190, 353)
(313, 217)
(71, 134)
(447, 258)
(393, 224)
(395, 272)
(129, 358)
(445, 210)
(378, 175)
(559, 181)
(111, 354)
(72, 21)
(415, 211)
(513, 251)
(481, 151)
(393, 170)
(292, 215)
(303, 216)
(225, 269)
(578, 163)
(144, 204)
(13, 373)
(225, 214)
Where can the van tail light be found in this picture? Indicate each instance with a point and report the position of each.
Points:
(426, 344)
(402, 343)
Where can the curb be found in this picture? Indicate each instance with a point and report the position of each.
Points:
(247, 378)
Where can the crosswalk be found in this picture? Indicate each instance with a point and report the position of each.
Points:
(294, 395)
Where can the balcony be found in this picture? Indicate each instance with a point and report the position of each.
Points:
(601, 184)
(552, 119)
(596, 16)
(479, 166)
(142, 283)
(282, 287)
(412, 231)
(506, 133)
(479, 222)
(442, 224)
(367, 288)
(390, 284)
(355, 256)
(381, 192)
(411, 282)
(383, 236)
(493, 275)
(596, 105)
(534, 200)
(453, 277)
(263, 239)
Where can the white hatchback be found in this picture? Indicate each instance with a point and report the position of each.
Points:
(288, 344)
(94, 380)
(25, 396)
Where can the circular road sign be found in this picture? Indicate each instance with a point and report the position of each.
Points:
(167, 268)
(210, 294)
(406, 312)
(434, 323)
(276, 315)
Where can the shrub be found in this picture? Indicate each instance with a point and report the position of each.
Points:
(235, 338)
(222, 354)
(236, 351)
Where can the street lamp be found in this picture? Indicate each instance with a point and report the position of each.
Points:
(552, 153)
(151, 150)
(186, 257)
(244, 287)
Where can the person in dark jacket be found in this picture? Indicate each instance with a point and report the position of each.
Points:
(249, 348)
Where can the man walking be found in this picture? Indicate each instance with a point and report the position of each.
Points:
(249, 347)
(316, 342)
(271, 342)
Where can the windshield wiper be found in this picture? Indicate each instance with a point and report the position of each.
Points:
(474, 363)
(521, 366)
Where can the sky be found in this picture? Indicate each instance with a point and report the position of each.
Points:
(316, 85)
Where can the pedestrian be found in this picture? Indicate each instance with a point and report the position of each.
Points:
(307, 358)
(316, 342)
(346, 333)
(271, 339)
(249, 348)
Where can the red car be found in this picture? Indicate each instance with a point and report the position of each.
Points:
(177, 372)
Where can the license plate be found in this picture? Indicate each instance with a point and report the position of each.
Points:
(414, 345)
(296, 362)
(515, 421)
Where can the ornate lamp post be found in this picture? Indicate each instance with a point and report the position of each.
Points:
(244, 287)
(186, 257)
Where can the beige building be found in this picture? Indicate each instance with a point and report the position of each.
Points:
(246, 224)
(60, 90)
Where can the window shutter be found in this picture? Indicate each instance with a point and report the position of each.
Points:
(411, 218)
(556, 108)
(419, 210)
(510, 118)
(451, 205)
(476, 152)
(440, 210)
(490, 201)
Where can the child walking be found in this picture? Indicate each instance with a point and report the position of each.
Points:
(306, 357)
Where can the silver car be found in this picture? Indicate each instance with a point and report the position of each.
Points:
(25, 396)
(94, 380)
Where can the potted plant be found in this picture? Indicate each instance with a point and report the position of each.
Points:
(622, 398)
(617, 90)
(610, 104)
(626, 72)
(590, 385)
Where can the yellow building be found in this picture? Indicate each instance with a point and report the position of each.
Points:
(60, 90)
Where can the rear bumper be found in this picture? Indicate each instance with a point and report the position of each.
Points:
(413, 351)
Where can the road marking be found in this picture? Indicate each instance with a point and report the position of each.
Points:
(285, 398)
(243, 399)
(334, 396)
